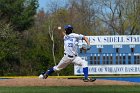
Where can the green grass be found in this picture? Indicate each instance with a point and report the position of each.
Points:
(85, 89)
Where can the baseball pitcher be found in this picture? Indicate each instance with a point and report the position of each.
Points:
(70, 53)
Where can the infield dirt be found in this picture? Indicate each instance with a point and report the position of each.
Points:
(59, 82)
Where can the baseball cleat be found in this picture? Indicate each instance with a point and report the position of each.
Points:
(92, 79)
(86, 79)
(40, 76)
(89, 79)
(45, 76)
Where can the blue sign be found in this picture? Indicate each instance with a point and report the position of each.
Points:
(112, 55)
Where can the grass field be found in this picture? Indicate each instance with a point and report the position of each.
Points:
(84, 89)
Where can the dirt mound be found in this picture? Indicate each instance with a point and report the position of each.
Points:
(59, 82)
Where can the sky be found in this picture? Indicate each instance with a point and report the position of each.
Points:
(44, 3)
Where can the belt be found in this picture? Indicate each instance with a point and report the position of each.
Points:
(70, 55)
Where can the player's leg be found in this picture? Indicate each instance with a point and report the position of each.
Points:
(79, 61)
(62, 64)
(48, 72)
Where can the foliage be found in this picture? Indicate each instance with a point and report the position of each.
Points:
(9, 49)
(19, 13)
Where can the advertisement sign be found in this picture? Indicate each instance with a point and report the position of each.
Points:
(111, 40)
(109, 69)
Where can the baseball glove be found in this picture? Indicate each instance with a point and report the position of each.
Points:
(85, 47)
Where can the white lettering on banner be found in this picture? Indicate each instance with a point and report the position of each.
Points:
(117, 46)
(132, 69)
(109, 69)
(100, 46)
(107, 40)
(131, 46)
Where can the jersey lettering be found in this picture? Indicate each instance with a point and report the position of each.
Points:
(68, 38)
(70, 44)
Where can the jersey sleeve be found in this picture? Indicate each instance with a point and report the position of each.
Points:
(78, 36)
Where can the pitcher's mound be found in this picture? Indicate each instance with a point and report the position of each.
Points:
(59, 82)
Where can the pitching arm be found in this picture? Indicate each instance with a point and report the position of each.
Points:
(63, 33)
(87, 41)
(86, 47)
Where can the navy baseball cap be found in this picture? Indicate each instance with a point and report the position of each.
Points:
(68, 27)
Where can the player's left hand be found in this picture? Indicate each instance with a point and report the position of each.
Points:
(85, 47)
(88, 47)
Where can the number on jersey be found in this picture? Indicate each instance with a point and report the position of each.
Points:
(70, 44)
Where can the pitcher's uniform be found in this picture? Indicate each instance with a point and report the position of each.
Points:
(70, 52)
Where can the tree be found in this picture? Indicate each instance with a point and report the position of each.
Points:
(82, 16)
(15, 15)
(119, 16)
(19, 13)
(9, 59)
(132, 8)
